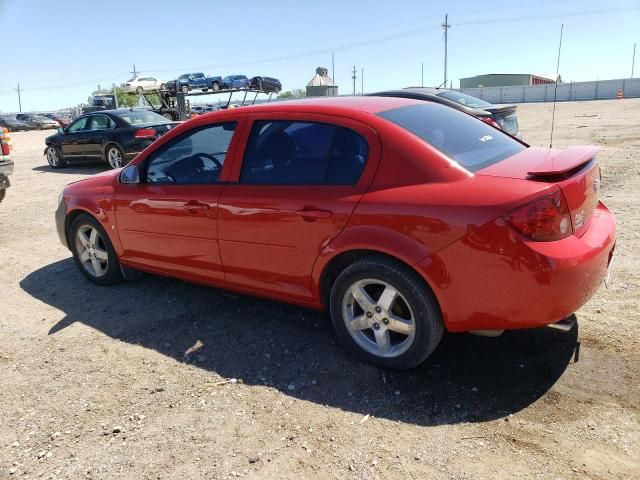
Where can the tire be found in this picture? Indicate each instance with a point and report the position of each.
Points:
(168, 116)
(54, 157)
(400, 324)
(139, 90)
(276, 90)
(215, 86)
(114, 156)
(93, 252)
(184, 89)
(3, 193)
(259, 84)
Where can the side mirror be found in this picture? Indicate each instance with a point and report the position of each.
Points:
(130, 175)
(61, 131)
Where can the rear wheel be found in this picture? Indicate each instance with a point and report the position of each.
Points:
(139, 90)
(185, 89)
(168, 116)
(93, 252)
(276, 90)
(114, 156)
(54, 158)
(384, 313)
(215, 86)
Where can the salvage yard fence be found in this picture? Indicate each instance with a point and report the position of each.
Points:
(567, 92)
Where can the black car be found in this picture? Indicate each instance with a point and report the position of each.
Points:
(501, 116)
(13, 125)
(113, 135)
(266, 84)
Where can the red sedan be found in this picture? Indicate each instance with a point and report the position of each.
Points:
(402, 218)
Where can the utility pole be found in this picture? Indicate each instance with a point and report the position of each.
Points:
(446, 27)
(333, 71)
(134, 70)
(19, 99)
(362, 82)
(633, 59)
(422, 75)
(354, 79)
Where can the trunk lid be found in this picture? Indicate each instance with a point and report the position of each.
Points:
(575, 170)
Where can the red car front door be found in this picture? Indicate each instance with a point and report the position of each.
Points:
(299, 180)
(168, 222)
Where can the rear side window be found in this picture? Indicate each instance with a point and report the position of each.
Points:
(303, 153)
(465, 139)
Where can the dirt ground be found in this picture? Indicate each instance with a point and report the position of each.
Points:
(158, 378)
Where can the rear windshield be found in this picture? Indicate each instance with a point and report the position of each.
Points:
(464, 99)
(463, 138)
(141, 117)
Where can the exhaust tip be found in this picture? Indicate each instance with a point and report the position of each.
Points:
(563, 325)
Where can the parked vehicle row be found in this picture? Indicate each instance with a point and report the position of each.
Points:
(402, 218)
(188, 82)
(32, 121)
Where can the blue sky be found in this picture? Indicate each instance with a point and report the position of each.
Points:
(60, 51)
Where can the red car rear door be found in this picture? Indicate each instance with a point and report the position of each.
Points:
(299, 178)
(168, 222)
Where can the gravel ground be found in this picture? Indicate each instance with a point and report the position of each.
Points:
(162, 379)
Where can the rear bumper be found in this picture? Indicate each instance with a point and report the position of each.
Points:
(494, 279)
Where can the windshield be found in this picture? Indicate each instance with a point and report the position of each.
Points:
(464, 99)
(142, 117)
(469, 141)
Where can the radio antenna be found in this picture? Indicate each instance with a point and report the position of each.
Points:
(555, 91)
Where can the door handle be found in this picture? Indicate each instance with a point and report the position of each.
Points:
(194, 206)
(311, 214)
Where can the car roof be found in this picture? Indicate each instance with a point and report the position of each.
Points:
(335, 105)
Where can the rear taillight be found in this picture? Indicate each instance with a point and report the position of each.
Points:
(546, 219)
(5, 144)
(491, 122)
(145, 133)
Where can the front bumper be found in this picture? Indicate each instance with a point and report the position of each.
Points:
(494, 279)
(61, 220)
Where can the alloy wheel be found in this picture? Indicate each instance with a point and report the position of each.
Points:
(92, 250)
(53, 157)
(114, 157)
(378, 318)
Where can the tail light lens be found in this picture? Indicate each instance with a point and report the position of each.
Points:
(5, 146)
(546, 219)
(491, 122)
(145, 133)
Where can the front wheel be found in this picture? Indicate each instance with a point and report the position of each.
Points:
(93, 252)
(215, 86)
(54, 158)
(185, 89)
(385, 314)
(139, 90)
(114, 156)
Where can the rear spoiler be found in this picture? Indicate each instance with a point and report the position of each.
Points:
(500, 108)
(565, 160)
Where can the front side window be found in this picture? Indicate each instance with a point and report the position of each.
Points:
(467, 140)
(303, 153)
(79, 125)
(195, 158)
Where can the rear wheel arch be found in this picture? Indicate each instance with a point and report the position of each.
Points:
(339, 262)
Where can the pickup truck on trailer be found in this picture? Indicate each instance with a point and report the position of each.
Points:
(6, 164)
(193, 81)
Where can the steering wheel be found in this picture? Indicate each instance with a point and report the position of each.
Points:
(209, 157)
